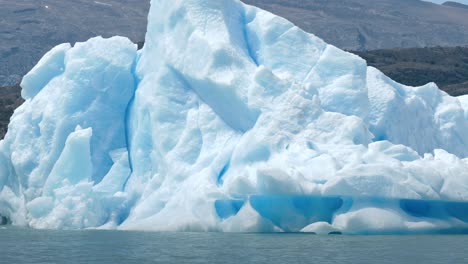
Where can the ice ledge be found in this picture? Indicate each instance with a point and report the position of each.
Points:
(344, 214)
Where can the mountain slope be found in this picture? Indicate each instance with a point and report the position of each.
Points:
(375, 24)
(29, 28)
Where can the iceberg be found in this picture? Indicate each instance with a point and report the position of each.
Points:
(230, 119)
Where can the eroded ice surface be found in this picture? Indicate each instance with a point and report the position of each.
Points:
(230, 119)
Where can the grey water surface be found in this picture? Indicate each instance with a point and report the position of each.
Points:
(45, 246)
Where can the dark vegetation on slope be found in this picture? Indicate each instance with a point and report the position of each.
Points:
(10, 99)
(447, 67)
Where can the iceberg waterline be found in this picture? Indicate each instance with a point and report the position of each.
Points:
(230, 119)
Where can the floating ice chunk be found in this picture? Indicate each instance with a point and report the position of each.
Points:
(321, 228)
(370, 220)
(230, 119)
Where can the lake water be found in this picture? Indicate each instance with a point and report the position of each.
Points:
(33, 246)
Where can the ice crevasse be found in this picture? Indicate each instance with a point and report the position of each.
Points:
(230, 119)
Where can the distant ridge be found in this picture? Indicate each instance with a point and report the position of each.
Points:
(455, 4)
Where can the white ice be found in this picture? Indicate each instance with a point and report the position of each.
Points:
(230, 119)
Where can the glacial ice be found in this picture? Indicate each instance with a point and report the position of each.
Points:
(230, 119)
(464, 103)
